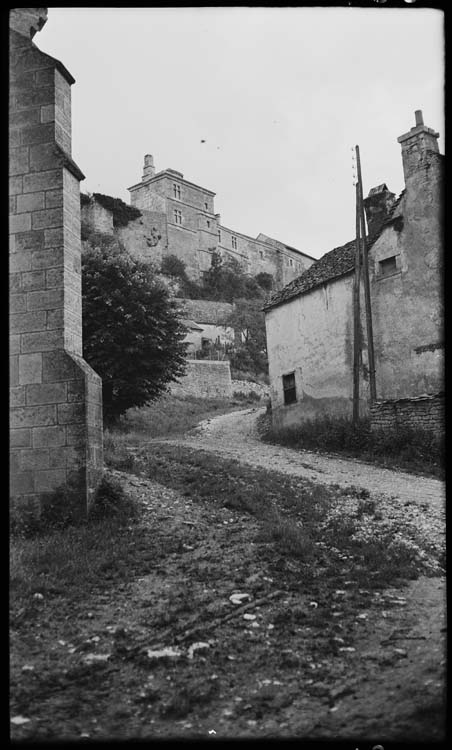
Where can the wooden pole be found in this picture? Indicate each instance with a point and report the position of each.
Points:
(356, 314)
(370, 338)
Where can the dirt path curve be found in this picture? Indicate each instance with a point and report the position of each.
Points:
(235, 436)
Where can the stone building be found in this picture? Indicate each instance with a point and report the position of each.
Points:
(55, 397)
(178, 218)
(310, 322)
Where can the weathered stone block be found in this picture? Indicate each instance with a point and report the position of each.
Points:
(14, 370)
(48, 180)
(59, 366)
(30, 368)
(29, 241)
(42, 157)
(33, 416)
(46, 393)
(34, 458)
(18, 160)
(46, 76)
(54, 198)
(54, 278)
(17, 396)
(45, 300)
(46, 481)
(17, 303)
(71, 413)
(30, 202)
(75, 435)
(20, 438)
(55, 237)
(24, 117)
(48, 113)
(14, 344)
(15, 185)
(21, 483)
(15, 282)
(49, 436)
(42, 342)
(29, 321)
(76, 391)
(42, 133)
(19, 223)
(51, 217)
(55, 319)
(50, 258)
(65, 456)
(34, 97)
(33, 280)
(14, 138)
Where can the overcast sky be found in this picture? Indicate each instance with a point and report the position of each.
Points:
(279, 95)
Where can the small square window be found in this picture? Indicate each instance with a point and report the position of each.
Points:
(289, 388)
(387, 266)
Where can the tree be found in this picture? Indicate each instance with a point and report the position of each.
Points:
(265, 280)
(250, 353)
(132, 335)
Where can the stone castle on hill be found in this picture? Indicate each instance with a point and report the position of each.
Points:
(178, 218)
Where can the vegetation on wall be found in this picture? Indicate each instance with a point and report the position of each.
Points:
(132, 335)
(122, 213)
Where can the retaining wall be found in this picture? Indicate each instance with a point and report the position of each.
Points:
(423, 412)
(206, 379)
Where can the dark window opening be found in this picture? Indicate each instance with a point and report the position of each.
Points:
(208, 223)
(290, 391)
(387, 266)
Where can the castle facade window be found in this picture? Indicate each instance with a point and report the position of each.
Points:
(176, 191)
(234, 242)
(177, 216)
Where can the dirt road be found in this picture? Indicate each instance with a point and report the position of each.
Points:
(235, 436)
(165, 651)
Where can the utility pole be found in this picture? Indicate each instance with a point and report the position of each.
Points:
(370, 338)
(356, 320)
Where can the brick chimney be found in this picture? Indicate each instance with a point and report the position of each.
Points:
(416, 145)
(378, 205)
(148, 169)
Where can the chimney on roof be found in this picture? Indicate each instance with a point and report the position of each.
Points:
(378, 205)
(416, 145)
(148, 169)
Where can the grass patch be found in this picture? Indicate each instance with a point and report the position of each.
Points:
(169, 416)
(71, 559)
(327, 529)
(416, 451)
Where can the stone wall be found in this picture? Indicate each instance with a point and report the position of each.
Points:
(205, 311)
(424, 412)
(55, 397)
(205, 379)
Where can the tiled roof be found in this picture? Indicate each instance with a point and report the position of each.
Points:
(335, 263)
